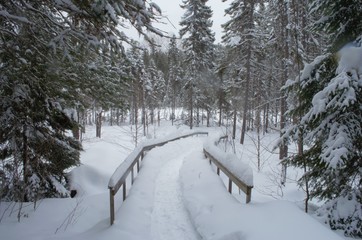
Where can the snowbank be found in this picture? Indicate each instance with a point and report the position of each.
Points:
(217, 215)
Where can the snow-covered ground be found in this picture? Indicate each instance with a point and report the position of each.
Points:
(177, 195)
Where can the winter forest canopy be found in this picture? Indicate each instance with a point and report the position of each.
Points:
(283, 65)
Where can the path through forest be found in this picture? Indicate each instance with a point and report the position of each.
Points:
(170, 219)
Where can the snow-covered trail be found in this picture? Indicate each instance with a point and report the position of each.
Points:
(170, 219)
(154, 208)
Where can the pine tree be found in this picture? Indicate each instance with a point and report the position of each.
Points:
(329, 92)
(198, 43)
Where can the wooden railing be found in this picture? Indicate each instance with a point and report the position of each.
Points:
(119, 177)
(232, 178)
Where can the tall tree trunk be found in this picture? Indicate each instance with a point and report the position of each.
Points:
(117, 116)
(99, 124)
(111, 118)
(173, 108)
(220, 114)
(197, 116)
(25, 164)
(248, 71)
(208, 118)
(234, 124)
(283, 149)
(159, 116)
(191, 105)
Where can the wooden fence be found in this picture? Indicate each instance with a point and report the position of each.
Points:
(127, 167)
(232, 178)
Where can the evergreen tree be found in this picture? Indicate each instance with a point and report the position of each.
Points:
(329, 92)
(43, 46)
(174, 75)
(198, 43)
(240, 38)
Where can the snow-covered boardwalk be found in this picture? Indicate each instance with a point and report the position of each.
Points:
(178, 196)
(154, 206)
(170, 219)
(175, 196)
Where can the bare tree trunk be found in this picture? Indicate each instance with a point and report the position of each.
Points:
(283, 149)
(220, 114)
(117, 116)
(234, 124)
(266, 118)
(152, 115)
(159, 117)
(111, 118)
(191, 105)
(144, 122)
(173, 108)
(25, 164)
(208, 118)
(99, 124)
(258, 119)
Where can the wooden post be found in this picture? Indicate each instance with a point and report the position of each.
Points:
(132, 176)
(124, 190)
(218, 171)
(111, 201)
(248, 195)
(230, 186)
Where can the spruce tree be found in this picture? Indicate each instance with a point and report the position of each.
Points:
(330, 99)
(43, 44)
(198, 43)
(174, 75)
(241, 39)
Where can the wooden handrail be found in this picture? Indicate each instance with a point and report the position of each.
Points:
(232, 178)
(119, 177)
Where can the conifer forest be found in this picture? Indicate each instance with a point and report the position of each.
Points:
(288, 66)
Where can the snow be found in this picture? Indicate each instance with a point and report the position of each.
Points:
(217, 215)
(309, 67)
(339, 94)
(128, 161)
(350, 60)
(176, 195)
(236, 166)
(6, 14)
